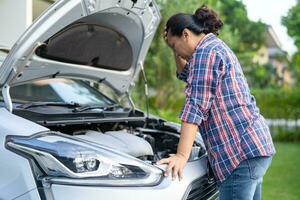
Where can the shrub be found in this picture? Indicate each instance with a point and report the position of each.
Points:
(282, 134)
(278, 103)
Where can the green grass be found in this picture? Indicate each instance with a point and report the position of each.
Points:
(282, 181)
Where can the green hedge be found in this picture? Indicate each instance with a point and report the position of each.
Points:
(273, 104)
(278, 103)
(282, 134)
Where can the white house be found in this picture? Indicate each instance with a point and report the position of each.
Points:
(16, 16)
(271, 53)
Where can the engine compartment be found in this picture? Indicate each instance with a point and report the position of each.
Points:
(148, 141)
(120, 140)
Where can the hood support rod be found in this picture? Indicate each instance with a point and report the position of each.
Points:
(146, 89)
(5, 91)
(7, 98)
(130, 101)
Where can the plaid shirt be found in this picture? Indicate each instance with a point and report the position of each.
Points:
(218, 100)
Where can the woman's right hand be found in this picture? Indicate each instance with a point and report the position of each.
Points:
(176, 164)
(180, 63)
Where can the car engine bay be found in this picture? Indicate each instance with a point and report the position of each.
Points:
(149, 143)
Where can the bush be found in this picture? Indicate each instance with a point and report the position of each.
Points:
(273, 103)
(282, 134)
(278, 103)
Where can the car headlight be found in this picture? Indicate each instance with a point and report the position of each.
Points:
(69, 160)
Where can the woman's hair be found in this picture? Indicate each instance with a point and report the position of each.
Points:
(204, 20)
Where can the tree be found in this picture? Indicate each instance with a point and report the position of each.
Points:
(235, 16)
(264, 76)
(292, 23)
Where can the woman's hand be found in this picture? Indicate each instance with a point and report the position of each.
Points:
(180, 63)
(176, 164)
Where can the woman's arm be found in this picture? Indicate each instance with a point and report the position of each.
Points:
(206, 75)
(177, 162)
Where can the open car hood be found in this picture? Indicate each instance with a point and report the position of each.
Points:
(102, 40)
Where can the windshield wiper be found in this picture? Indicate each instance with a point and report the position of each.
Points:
(88, 107)
(37, 104)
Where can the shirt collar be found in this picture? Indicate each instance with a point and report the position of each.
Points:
(208, 37)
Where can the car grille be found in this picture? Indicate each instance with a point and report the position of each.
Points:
(202, 189)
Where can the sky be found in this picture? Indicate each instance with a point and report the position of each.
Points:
(270, 12)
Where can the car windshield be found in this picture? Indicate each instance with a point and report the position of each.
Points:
(59, 90)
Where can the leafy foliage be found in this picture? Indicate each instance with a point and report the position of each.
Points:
(263, 76)
(160, 64)
(235, 15)
(278, 103)
(292, 22)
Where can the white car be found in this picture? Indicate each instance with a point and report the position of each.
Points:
(62, 138)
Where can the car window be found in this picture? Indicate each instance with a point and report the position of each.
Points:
(80, 92)
(59, 90)
(106, 90)
(34, 92)
(109, 92)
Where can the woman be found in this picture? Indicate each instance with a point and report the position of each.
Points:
(219, 104)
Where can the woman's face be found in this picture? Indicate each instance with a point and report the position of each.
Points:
(179, 45)
(184, 45)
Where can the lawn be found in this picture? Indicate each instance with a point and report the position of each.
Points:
(282, 181)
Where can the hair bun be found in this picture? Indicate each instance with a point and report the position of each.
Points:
(208, 19)
(202, 13)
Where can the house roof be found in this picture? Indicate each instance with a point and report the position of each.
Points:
(272, 38)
